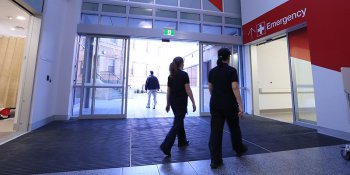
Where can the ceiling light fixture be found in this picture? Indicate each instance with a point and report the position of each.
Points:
(22, 18)
(10, 17)
(13, 29)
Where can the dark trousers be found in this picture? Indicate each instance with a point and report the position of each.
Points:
(217, 125)
(176, 130)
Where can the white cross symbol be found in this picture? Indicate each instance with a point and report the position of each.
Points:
(261, 29)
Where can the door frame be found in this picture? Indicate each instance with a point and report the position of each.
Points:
(126, 48)
(239, 70)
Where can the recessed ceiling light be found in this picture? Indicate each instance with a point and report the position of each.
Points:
(22, 18)
(13, 28)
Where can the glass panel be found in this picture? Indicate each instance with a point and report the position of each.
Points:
(207, 5)
(166, 14)
(303, 86)
(109, 62)
(232, 6)
(213, 19)
(233, 21)
(164, 24)
(113, 21)
(90, 6)
(167, 2)
(87, 101)
(113, 8)
(140, 23)
(208, 62)
(188, 27)
(101, 63)
(89, 19)
(191, 3)
(143, 1)
(190, 16)
(88, 65)
(304, 91)
(232, 31)
(141, 11)
(80, 61)
(212, 29)
(108, 101)
(76, 100)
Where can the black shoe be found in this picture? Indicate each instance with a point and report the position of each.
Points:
(166, 152)
(186, 143)
(244, 150)
(215, 165)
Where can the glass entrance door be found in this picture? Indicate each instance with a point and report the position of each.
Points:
(100, 82)
(208, 58)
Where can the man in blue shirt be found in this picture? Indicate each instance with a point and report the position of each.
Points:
(152, 85)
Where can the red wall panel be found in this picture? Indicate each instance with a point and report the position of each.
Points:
(329, 33)
(299, 44)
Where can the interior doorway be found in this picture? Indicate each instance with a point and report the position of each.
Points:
(155, 55)
(14, 29)
(271, 80)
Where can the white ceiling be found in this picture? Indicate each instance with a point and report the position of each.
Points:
(7, 9)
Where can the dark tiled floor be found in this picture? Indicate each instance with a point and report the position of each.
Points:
(97, 144)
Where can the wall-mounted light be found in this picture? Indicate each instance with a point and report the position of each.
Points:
(22, 18)
(13, 29)
(10, 17)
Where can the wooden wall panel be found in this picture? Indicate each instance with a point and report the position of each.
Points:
(11, 57)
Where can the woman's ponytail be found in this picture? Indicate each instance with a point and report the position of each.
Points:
(172, 69)
(175, 66)
(223, 55)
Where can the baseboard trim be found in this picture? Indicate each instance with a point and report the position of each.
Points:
(42, 123)
(61, 117)
(334, 133)
(276, 110)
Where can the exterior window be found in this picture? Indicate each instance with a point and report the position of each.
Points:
(190, 16)
(113, 21)
(114, 8)
(140, 23)
(188, 27)
(232, 31)
(233, 21)
(141, 11)
(90, 6)
(212, 29)
(212, 19)
(166, 14)
(196, 4)
(165, 24)
(167, 2)
(89, 19)
(143, 1)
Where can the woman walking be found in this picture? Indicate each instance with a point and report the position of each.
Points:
(177, 96)
(225, 104)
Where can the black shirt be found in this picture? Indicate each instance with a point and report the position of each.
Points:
(222, 96)
(178, 95)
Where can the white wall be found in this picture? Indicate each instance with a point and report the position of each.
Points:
(64, 70)
(55, 58)
(332, 106)
(252, 9)
(273, 77)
